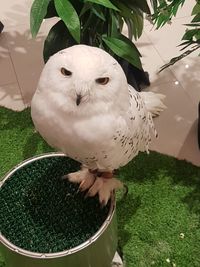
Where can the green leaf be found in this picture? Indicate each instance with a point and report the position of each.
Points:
(123, 50)
(196, 9)
(162, 20)
(197, 36)
(114, 25)
(138, 22)
(105, 3)
(185, 43)
(96, 9)
(57, 39)
(86, 8)
(120, 23)
(193, 24)
(175, 9)
(142, 4)
(135, 15)
(154, 4)
(70, 17)
(128, 41)
(189, 34)
(131, 29)
(38, 12)
(196, 18)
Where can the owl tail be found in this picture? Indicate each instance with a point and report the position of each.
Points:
(153, 102)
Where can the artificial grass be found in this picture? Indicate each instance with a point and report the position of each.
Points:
(44, 213)
(163, 200)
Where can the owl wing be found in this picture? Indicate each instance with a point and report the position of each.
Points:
(134, 129)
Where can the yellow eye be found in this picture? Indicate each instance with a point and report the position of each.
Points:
(102, 81)
(65, 72)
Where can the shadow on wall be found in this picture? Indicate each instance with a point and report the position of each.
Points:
(16, 14)
(26, 57)
(26, 53)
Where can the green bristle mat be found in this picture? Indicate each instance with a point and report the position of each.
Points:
(41, 212)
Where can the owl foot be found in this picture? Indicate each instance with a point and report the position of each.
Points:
(84, 177)
(104, 187)
(101, 183)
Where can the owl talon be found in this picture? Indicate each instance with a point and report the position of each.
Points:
(64, 177)
(83, 177)
(86, 196)
(104, 187)
(103, 204)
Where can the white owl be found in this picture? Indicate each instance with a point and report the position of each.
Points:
(84, 107)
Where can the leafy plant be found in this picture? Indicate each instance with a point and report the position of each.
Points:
(92, 22)
(163, 13)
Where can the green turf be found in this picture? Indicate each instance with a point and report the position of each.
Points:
(44, 213)
(163, 199)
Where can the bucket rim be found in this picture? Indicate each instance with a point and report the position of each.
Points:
(63, 253)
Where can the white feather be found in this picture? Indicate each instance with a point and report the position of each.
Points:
(153, 102)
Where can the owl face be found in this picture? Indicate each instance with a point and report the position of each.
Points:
(81, 76)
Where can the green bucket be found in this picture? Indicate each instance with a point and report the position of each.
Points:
(46, 221)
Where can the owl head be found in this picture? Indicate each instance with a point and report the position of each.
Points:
(81, 77)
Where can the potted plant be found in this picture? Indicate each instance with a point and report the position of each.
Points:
(97, 23)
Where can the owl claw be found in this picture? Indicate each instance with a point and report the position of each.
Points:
(103, 186)
(83, 177)
(103, 204)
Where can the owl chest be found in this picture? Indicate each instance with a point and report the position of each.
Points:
(93, 130)
(80, 133)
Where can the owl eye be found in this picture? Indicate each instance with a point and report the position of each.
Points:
(102, 81)
(65, 72)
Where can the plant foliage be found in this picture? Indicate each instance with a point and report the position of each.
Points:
(92, 22)
(164, 11)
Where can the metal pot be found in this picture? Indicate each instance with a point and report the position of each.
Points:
(97, 251)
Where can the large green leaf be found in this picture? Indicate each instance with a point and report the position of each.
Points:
(124, 50)
(142, 4)
(70, 17)
(105, 3)
(38, 12)
(57, 39)
(134, 14)
(128, 41)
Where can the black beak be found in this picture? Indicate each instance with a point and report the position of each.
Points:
(78, 99)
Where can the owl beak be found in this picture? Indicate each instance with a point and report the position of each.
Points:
(78, 99)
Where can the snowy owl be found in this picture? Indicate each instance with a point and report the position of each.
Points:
(84, 107)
